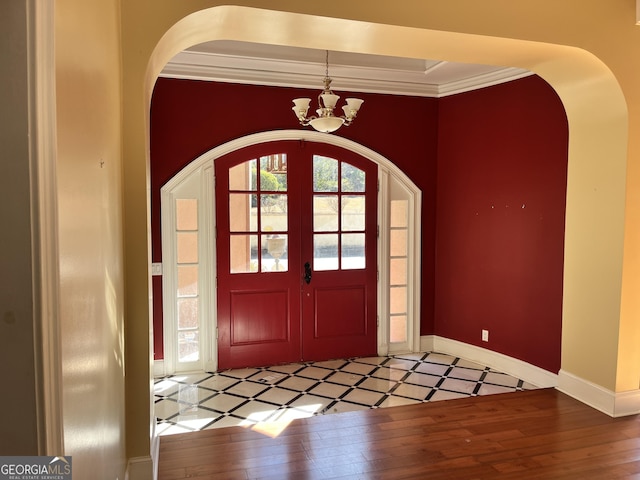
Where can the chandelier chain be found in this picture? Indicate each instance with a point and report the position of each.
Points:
(326, 71)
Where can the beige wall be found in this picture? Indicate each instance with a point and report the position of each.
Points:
(18, 407)
(590, 55)
(88, 68)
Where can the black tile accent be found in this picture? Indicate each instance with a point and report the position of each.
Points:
(267, 378)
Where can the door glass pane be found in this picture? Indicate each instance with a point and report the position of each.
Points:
(398, 328)
(274, 255)
(272, 180)
(243, 254)
(188, 346)
(398, 297)
(242, 212)
(353, 212)
(187, 280)
(275, 164)
(325, 213)
(187, 247)
(353, 251)
(325, 174)
(353, 179)
(187, 313)
(243, 176)
(273, 213)
(398, 243)
(399, 214)
(325, 252)
(398, 271)
(186, 214)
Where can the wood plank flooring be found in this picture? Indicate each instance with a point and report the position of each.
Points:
(541, 434)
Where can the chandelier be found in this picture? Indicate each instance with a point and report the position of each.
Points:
(326, 121)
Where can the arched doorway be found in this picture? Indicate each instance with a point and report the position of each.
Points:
(598, 122)
(396, 207)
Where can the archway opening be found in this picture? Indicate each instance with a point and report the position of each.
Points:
(597, 120)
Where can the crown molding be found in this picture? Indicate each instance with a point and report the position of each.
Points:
(483, 81)
(206, 66)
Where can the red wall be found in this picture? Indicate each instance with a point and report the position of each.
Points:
(502, 163)
(189, 118)
(502, 144)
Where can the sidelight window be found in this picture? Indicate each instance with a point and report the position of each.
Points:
(187, 291)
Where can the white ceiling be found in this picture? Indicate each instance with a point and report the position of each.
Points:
(259, 64)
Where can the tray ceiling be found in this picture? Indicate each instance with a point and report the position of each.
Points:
(259, 64)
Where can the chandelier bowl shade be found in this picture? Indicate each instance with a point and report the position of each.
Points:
(326, 124)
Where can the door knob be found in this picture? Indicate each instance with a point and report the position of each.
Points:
(307, 273)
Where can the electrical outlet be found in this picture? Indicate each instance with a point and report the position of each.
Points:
(485, 335)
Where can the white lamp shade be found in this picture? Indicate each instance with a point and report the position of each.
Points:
(302, 103)
(329, 100)
(354, 104)
(300, 107)
(326, 124)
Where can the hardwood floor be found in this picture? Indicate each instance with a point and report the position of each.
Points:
(541, 434)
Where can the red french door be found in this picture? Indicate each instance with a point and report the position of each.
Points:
(296, 254)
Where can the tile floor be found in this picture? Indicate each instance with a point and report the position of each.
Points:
(271, 397)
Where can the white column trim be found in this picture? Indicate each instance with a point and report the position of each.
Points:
(44, 204)
(158, 368)
(383, 274)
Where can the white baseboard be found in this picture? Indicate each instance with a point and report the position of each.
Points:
(613, 404)
(609, 402)
(503, 363)
(158, 368)
(427, 342)
(140, 468)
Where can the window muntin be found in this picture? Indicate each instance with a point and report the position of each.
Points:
(258, 220)
(338, 206)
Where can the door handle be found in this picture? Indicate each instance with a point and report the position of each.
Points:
(307, 273)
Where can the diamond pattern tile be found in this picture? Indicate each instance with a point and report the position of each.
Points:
(272, 396)
(224, 402)
(329, 390)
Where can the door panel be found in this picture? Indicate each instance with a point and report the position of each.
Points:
(339, 312)
(258, 317)
(288, 212)
(258, 281)
(339, 240)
